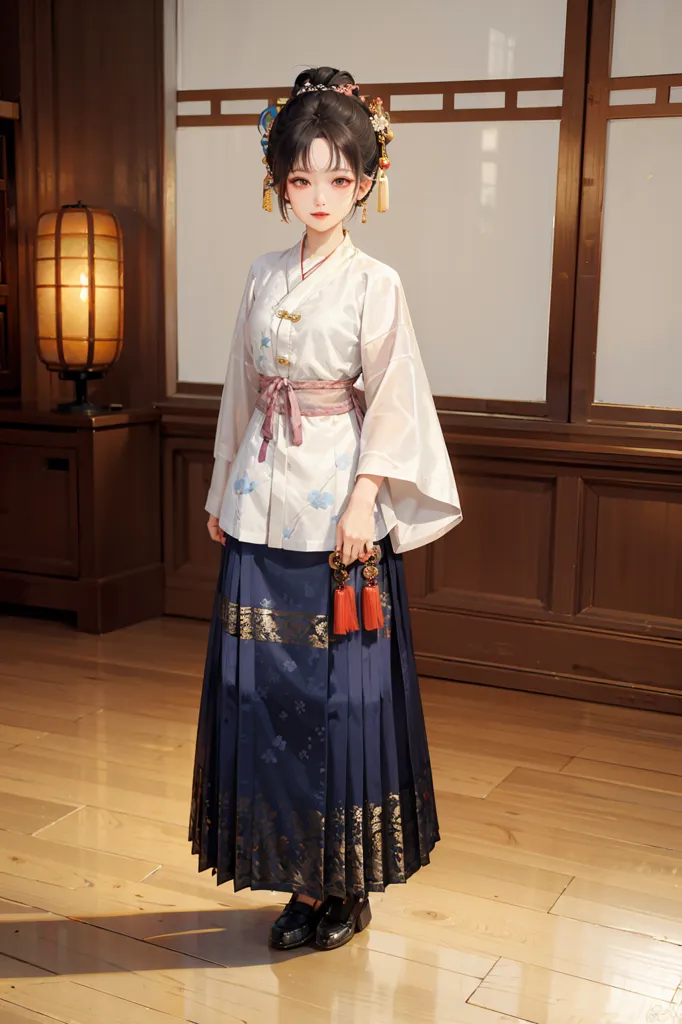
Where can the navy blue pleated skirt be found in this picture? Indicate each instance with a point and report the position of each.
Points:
(312, 769)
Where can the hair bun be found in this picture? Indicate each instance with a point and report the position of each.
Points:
(325, 78)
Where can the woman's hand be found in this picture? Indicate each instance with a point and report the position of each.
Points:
(214, 530)
(355, 528)
(355, 532)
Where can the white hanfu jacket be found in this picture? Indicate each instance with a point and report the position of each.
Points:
(352, 319)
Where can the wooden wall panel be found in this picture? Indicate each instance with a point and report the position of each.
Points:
(91, 129)
(10, 355)
(632, 558)
(502, 552)
(9, 50)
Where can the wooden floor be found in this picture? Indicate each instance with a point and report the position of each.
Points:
(554, 897)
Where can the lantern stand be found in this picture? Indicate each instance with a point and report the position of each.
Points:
(81, 403)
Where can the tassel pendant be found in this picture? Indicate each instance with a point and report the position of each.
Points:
(345, 611)
(372, 612)
(382, 191)
(267, 194)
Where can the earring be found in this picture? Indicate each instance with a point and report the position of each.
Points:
(363, 204)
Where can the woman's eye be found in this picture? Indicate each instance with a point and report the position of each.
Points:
(296, 181)
(344, 181)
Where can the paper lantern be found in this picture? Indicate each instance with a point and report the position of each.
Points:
(79, 295)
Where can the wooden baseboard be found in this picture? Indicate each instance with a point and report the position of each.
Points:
(101, 605)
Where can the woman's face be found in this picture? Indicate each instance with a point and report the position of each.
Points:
(323, 196)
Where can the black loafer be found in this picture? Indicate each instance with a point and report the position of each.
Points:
(341, 921)
(296, 925)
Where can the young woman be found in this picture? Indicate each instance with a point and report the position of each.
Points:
(312, 773)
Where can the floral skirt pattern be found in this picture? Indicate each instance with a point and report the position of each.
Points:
(312, 769)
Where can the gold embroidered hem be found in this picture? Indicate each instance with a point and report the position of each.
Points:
(355, 850)
(274, 626)
(287, 627)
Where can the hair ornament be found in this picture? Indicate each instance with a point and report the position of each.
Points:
(382, 126)
(347, 88)
(265, 122)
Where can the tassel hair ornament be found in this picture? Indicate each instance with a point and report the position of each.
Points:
(372, 612)
(345, 611)
(382, 126)
(267, 190)
(264, 125)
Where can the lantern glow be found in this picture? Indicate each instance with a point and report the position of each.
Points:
(79, 291)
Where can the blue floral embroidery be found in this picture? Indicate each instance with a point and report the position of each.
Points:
(343, 460)
(316, 499)
(265, 343)
(266, 603)
(269, 756)
(289, 665)
(320, 499)
(336, 517)
(279, 742)
(243, 485)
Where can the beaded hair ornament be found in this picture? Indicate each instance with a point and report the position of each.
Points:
(380, 122)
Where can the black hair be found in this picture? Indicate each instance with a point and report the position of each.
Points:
(344, 121)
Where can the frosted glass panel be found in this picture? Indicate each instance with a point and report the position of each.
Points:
(221, 228)
(625, 97)
(419, 101)
(473, 247)
(243, 106)
(639, 352)
(647, 38)
(474, 250)
(541, 98)
(479, 100)
(195, 107)
(222, 44)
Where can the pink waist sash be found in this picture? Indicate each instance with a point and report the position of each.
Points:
(298, 398)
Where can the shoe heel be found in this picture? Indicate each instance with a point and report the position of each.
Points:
(364, 917)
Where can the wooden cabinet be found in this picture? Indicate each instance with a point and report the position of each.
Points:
(80, 515)
(39, 509)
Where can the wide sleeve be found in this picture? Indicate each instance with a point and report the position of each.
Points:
(240, 393)
(401, 437)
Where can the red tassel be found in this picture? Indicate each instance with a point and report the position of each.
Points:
(345, 611)
(372, 612)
